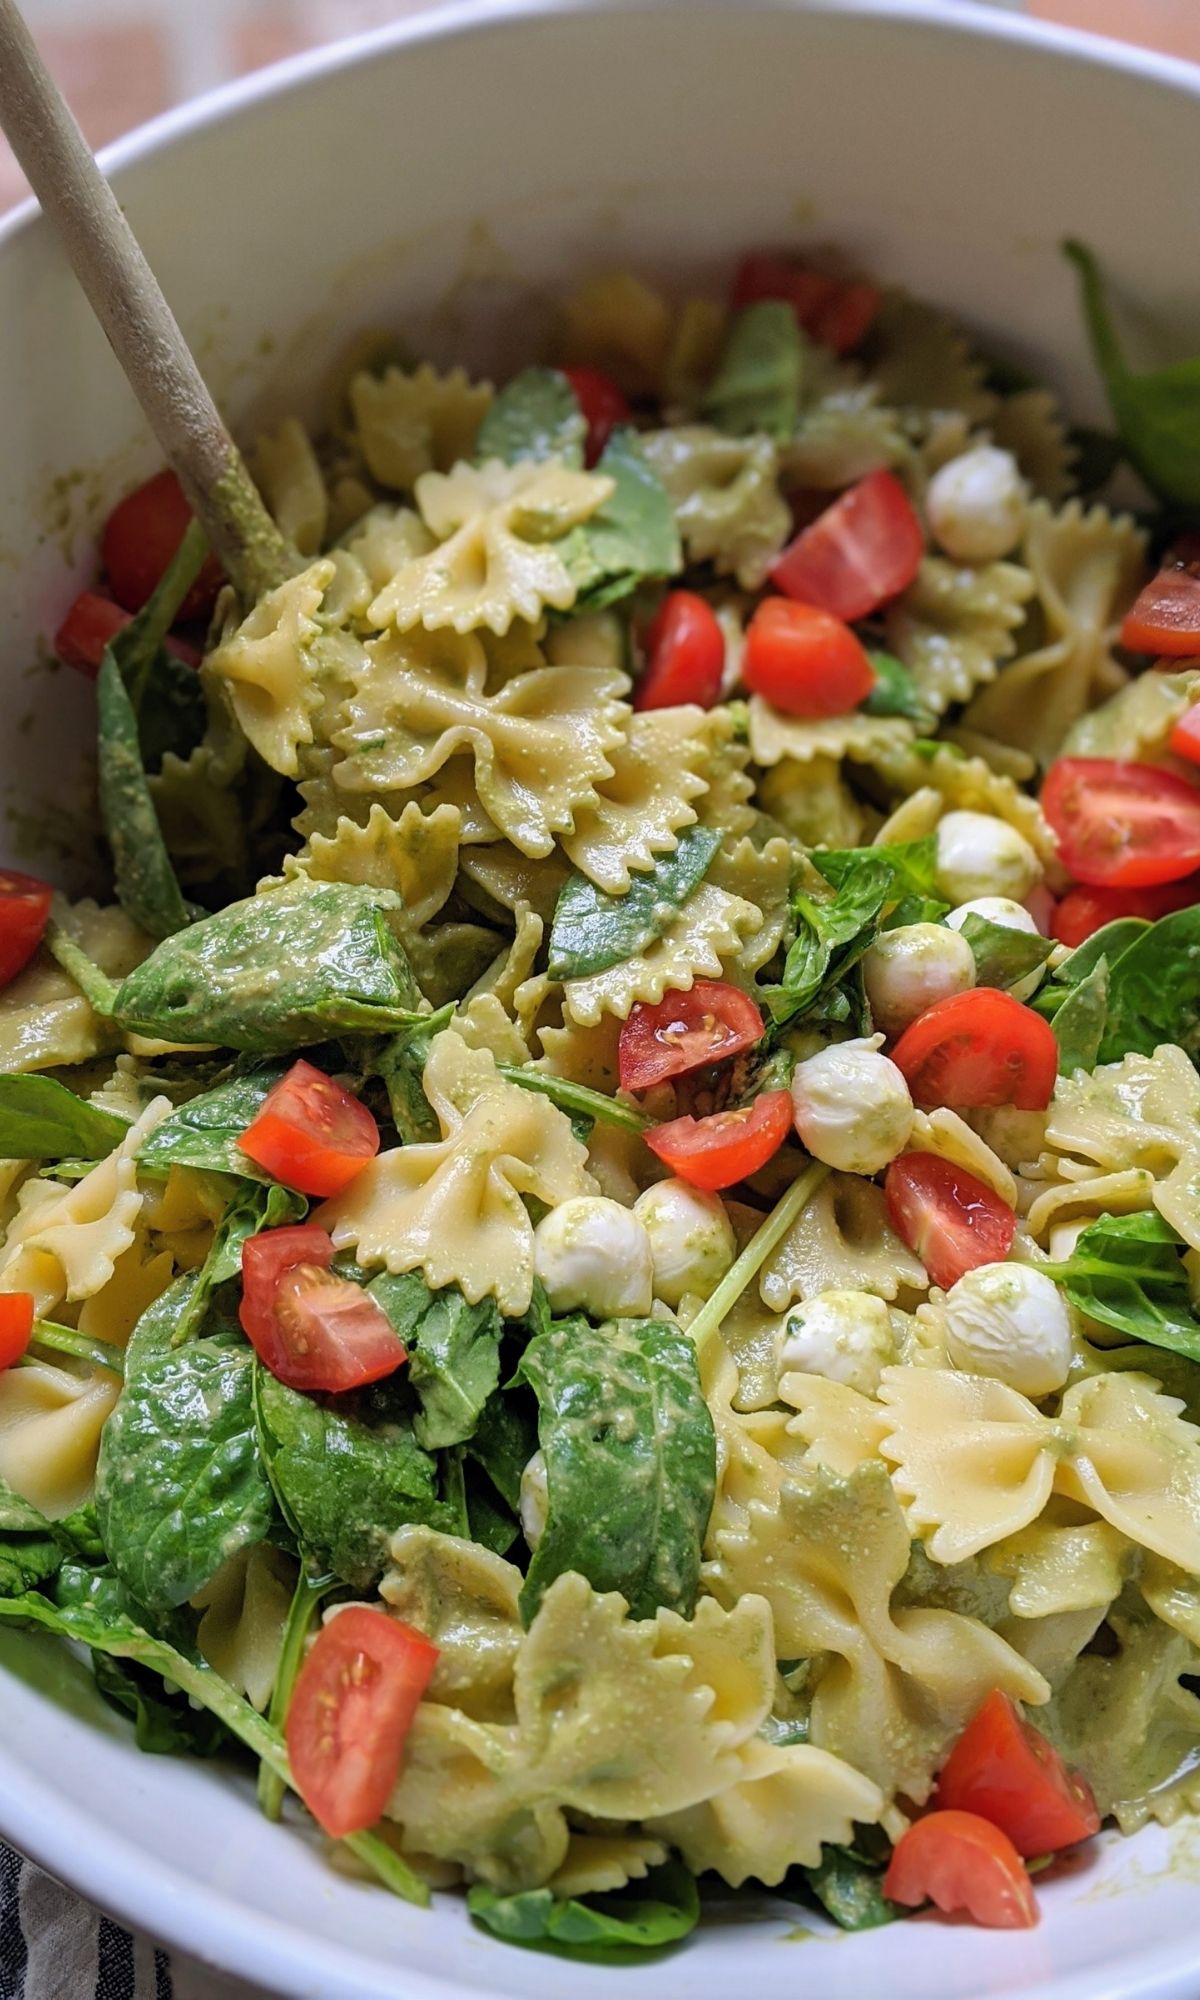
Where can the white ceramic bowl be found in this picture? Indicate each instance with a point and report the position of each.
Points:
(445, 178)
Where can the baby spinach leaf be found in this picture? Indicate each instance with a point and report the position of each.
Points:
(1107, 943)
(658, 1911)
(536, 415)
(593, 930)
(1127, 1271)
(895, 692)
(165, 1722)
(276, 971)
(913, 864)
(630, 1461)
(252, 1210)
(831, 933)
(454, 1351)
(43, 1120)
(30, 1550)
(758, 383)
(489, 1519)
(1157, 412)
(632, 537)
(204, 1132)
(180, 1485)
(504, 1441)
(578, 1100)
(1154, 990)
(1080, 1022)
(1004, 956)
(849, 1889)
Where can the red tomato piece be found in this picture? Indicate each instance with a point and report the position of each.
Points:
(684, 1031)
(310, 1133)
(958, 1861)
(1185, 737)
(24, 912)
(729, 1146)
(141, 535)
(1122, 826)
(1003, 1769)
(978, 1048)
(837, 311)
(1166, 616)
(846, 320)
(16, 1326)
(350, 1713)
(860, 552)
(91, 625)
(1082, 911)
(313, 1330)
(685, 654)
(804, 660)
(604, 407)
(949, 1219)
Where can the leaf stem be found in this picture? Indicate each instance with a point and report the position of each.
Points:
(307, 1596)
(713, 1313)
(1109, 358)
(577, 1098)
(97, 988)
(65, 1340)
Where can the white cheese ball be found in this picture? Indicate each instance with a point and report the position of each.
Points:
(1010, 1322)
(691, 1239)
(908, 969)
(977, 505)
(535, 1499)
(594, 1256)
(845, 1336)
(980, 855)
(1014, 917)
(852, 1107)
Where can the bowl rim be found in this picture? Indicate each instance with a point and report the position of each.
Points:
(141, 1890)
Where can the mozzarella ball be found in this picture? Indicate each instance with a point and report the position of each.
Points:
(845, 1336)
(852, 1107)
(1010, 1322)
(980, 855)
(593, 1256)
(535, 1499)
(1014, 917)
(908, 969)
(977, 505)
(691, 1239)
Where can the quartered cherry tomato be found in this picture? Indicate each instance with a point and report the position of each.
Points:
(311, 1133)
(1165, 619)
(949, 1219)
(16, 1326)
(1122, 826)
(716, 1152)
(685, 654)
(978, 1048)
(837, 311)
(91, 625)
(312, 1329)
(685, 1031)
(140, 537)
(1002, 1768)
(1082, 911)
(350, 1714)
(958, 1861)
(860, 552)
(24, 913)
(604, 407)
(805, 661)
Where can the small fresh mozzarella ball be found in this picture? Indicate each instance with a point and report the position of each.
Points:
(535, 1499)
(977, 505)
(593, 1256)
(852, 1107)
(980, 855)
(1009, 1321)
(908, 969)
(691, 1239)
(1014, 917)
(845, 1336)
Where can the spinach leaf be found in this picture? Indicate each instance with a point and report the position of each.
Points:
(1004, 956)
(1158, 412)
(165, 1722)
(504, 1441)
(490, 1520)
(658, 1911)
(631, 538)
(593, 930)
(895, 692)
(1081, 1020)
(1154, 990)
(830, 936)
(578, 1100)
(276, 971)
(344, 1484)
(1127, 1271)
(758, 383)
(204, 1132)
(849, 1889)
(30, 1550)
(913, 864)
(454, 1351)
(400, 1063)
(630, 1461)
(252, 1210)
(180, 1485)
(43, 1120)
(536, 415)
(1107, 943)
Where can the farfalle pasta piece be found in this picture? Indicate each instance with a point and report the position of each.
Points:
(725, 493)
(637, 813)
(947, 1135)
(272, 667)
(465, 1599)
(842, 436)
(381, 542)
(140, 1275)
(497, 559)
(1059, 1567)
(583, 1055)
(1139, 1116)
(841, 1240)
(1135, 724)
(44, 1018)
(64, 1242)
(289, 478)
(790, 1802)
(864, 739)
(842, 1428)
(452, 1208)
(407, 422)
(245, 1607)
(416, 855)
(813, 801)
(1087, 568)
(760, 875)
(510, 879)
(923, 362)
(947, 782)
(954, 625)
(707, 935)
(539, 746)
(50, 1425)
(1136, 1461)
(1031, 425)
(598, 1863)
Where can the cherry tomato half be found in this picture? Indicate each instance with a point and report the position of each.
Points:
(685, 654)
(949, 1219)
(141, 535)
(310, 1133)
(604, 407)
(91, 625)
(978, 1048)
(1122, 826)
(24, 912)
(1165, 618)
(1185, 737)
(684, 1031)
(313, 1330)
(1082, 911)
(860, 552)
(350, 1713)
(804, 660)
(729, 1146)
(958, 1861)
(1003, 1769)
(837, 311)
(16, 1326)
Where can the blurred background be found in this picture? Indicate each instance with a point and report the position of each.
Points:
(123, 61)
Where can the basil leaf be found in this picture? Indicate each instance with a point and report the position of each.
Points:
(630, 1461)
(454, 1351)
(536, 415)
(758, 383)
(831, 936)
(1003, 955)
(895, 692)
(1157, 412)
(913, 864)
(43, 1120)
(850, 1890)
(631, 538)
(204, 1132)
(1127, 1271)
(1080, 1023)
(649, 1914)
(276, 971)
(593, 930)
(1153, 990)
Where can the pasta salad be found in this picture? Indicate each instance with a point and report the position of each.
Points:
(599, 1247)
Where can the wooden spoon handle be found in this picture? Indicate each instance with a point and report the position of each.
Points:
(141, 328)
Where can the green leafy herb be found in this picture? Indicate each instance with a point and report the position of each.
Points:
(205, 1131)
(849, 1889)
(895, 692)
(578, 1100)
(536, 415)
(630, 1461)
(593, 930)
(644, 1917)
(302, 1612)
(30, 1551)
(1157, 412)
(757, 386)
(1127, 1271)
(831, 933)
(631, 538)
(65, 1340)
(43, 1120)
(165, 1722)
(454, 1354)
(1080, 1022)
(913, 864)
(1154, 990)
(504, 1441)
(1003, 955)
(1107, 943)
